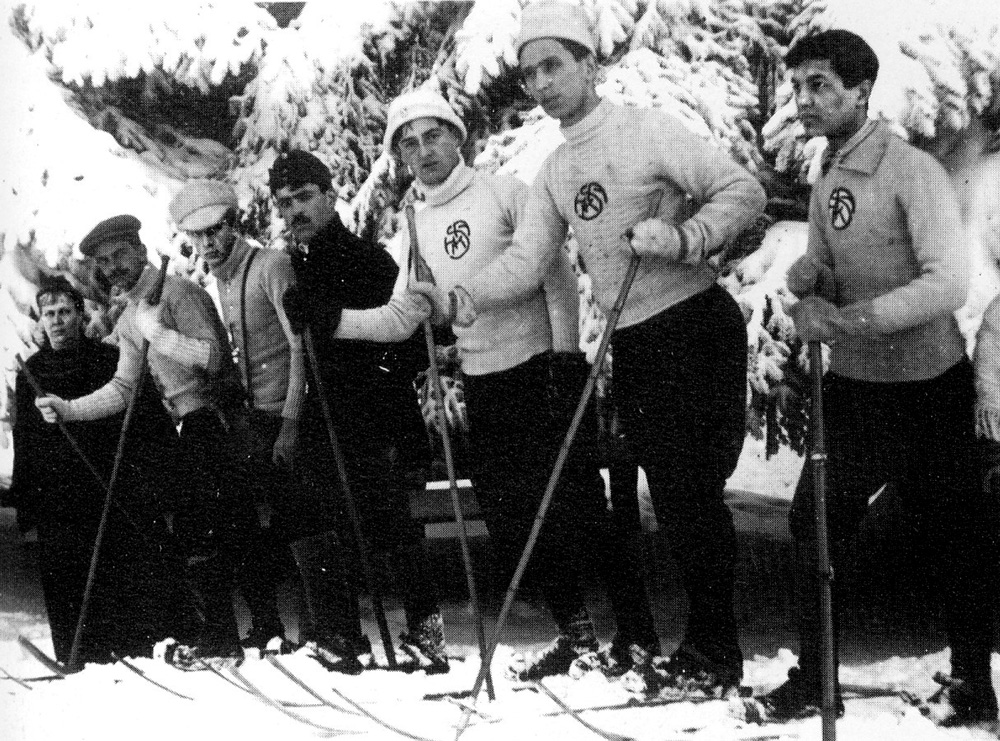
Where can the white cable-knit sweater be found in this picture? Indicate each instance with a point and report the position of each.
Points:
(469, 220)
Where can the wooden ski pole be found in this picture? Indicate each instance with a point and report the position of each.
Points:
(825, 572)
(463, 534)
(352, 511)
(154, 299)
(588, 389)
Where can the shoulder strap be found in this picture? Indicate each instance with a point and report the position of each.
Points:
(246, 367)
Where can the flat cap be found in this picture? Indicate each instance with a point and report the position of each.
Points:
(297, 168)
(201, 204)
(114, 228)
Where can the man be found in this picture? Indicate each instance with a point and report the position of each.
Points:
(188, 359)
(137, 597)
(884, 270)
(516, 422)
(680, 350)
(251, 283)
(371, 397)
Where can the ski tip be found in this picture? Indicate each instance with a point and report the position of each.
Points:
(46, 660)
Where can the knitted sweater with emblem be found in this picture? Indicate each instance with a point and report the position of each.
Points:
(193, 376)
(617, 167)
(468, 221)
(886, 220)
(271, 356)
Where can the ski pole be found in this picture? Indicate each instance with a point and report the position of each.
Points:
(463, 535)
(543, 507)
(75, 447)
(154, 299)
(352, 511)
(825, 572)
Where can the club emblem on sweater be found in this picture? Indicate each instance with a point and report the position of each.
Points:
(590, 200)
(456, 239)
(841, 208)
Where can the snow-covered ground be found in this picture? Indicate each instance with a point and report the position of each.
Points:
(109, 702)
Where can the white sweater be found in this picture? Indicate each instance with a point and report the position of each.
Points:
(620, 166)
(468, 222)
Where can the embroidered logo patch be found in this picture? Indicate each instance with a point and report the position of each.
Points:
(457, 239)
(841, 208)
(589, 201)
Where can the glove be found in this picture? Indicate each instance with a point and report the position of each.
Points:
(442, 310)
(808, 275)
(147, 319)
(657, 237)
(858, 319)
(308, 309)
(53, 408)
(987, 420)
(453, 307)
(989, 466)
(815, 319)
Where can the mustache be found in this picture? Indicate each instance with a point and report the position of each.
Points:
(300, 221)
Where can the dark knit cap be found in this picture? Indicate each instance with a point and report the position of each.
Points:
(114, 228)
(297, 168)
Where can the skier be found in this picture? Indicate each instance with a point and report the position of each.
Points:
(680, 350)
(884, 270)
(136, 598)
(523, 374)
(376, 415)
(189, 362)
(251, 284)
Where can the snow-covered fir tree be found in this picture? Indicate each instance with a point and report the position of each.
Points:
(112, 106)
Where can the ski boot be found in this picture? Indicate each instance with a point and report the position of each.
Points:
(614, 659)
(425, 645)
(687, 674)
(343, 654)
(799, 697)
(576, 638)
(961, 702)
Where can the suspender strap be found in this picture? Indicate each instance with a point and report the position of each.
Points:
(245, 355)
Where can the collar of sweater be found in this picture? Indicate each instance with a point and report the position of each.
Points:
(458, 180)
(589, 125)
(863, 151)
(228, 269)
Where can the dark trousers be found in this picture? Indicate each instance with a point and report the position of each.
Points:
(372, 437)
(682, 377)
(216, 521)
(515, 434)
(920, 436)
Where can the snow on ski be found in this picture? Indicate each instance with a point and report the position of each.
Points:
(371, 716)
(267, 700)
(43, 658)
(229, 680)
(276, 663)
(14, 679)
(124, 661)
(575, 714)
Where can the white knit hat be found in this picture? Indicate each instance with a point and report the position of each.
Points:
(553, 19)
(421, 103)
